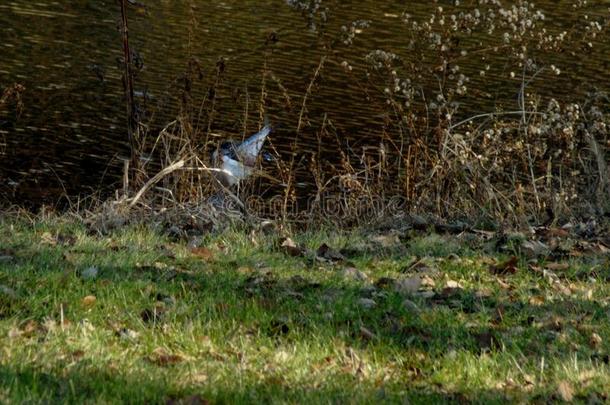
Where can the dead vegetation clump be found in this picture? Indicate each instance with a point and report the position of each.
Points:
(540, 162)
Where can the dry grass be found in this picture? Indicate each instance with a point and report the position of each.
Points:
(543, 162)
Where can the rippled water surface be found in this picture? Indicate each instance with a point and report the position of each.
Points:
(71, 130)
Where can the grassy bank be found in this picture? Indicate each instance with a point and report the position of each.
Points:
(136, 317)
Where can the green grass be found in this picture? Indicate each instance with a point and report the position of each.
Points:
(252, 324)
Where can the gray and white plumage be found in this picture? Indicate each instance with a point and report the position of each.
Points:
(237, 160)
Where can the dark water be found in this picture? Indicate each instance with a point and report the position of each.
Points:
(70, 133)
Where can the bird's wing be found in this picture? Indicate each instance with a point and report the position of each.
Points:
(249, 149)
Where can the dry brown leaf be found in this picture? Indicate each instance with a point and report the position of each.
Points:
(536, 300)
(162, 358)
(507, 267)
(453, 284)
(534, 248)
(325, 252)
(291, 248)
(483, 293)
(367, 303)
(565, 391)
(595, 340)
(203, 253)
(427, 281)
(557, 266)
(47, 239)
(30, 328)
(386, 241)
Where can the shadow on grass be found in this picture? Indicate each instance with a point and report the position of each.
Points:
(25, 384)
(289, 305)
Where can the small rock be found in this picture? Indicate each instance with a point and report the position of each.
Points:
(7, 292)
(90, 273)
(367, 303)
(6, 259)
(194, 242)
(354, 274)
(408, 286)
(534, 248)
(425, 294)
(368, 290)
(410, 306)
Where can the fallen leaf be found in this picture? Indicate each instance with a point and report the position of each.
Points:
(557, 266)
(483, 293)
(291, 248)
(595, 340)
(152, 315)
(325, 252)
(367, 303)
(507, 267)
(485, 234)
(162, 358)
(89, 300)
(127, 334)
(245, 270)
(427, 281)
(536, 300)
(354, 274)
(203, 253)
(386, 241)
(47, 239)
(77, 354)
(66, 240)
(565, 391)
(30, 328)
(534, 248)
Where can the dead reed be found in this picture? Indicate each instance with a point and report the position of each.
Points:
(541, 162)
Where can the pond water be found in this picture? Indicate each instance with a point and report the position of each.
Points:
(70, 133)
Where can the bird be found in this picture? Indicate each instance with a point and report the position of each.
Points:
(236, 161)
